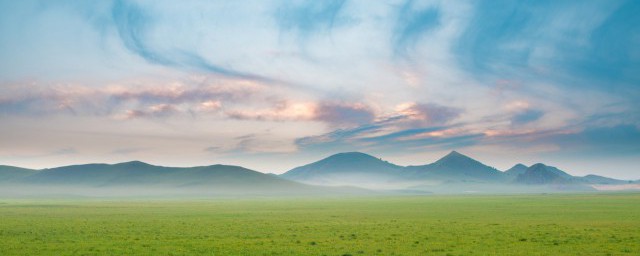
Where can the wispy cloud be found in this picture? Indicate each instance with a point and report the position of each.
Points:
(411, 125)
(550, 41)
(224, 98)
(614, 140)
(253, 144)
(280, 111)
(304, 18)
(527, 116)
(154, 111)
(413, 22)
(134, 25)
(427, 114)
(344, 114)
(131, 99)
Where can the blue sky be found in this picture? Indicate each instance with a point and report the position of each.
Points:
(274, 84)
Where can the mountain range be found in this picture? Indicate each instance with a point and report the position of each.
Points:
(139, 178)
(451, 173)
(349, 173)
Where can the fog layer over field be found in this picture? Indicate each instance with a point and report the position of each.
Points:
(351, 173)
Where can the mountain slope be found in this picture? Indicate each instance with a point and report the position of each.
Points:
(457, 167)
(516, 170)
(352, 168)
(539, 174)
(600, 180)
(94, 174)
(10, 173)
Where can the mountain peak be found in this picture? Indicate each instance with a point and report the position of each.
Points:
(134, 163)
(543, 174)
(458, 166)
(516, 170)
(455, 156)
(350, 154)
(538, 166)
(538, 174)
(347, 163)
(454, 153)
(350, 157)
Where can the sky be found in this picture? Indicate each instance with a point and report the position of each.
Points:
(271, 85)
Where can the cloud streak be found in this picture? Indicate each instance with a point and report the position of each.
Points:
(134, 25)
(410, 127)
(308, 17)
(149, 99)
(527, 116)
(413, 23)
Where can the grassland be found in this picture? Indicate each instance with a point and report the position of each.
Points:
(585, 224)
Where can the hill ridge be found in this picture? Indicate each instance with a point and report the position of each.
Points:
(354, 169)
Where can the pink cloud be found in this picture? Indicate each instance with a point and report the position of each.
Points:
(427, 113)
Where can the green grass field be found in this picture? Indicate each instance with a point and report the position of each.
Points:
(586, 224)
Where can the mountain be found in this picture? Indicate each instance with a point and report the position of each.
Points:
(9, 173)
(600, 180)
(139, 173)
(516, 170)
(539, 174)
(138, 178)
(456, 167)
(345, 172)
(352, 168)
(453, 173)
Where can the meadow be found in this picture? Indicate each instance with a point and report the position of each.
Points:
(553, 224)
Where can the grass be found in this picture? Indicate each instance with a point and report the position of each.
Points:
(586, 224)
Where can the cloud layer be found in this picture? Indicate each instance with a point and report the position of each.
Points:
(271, 84)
